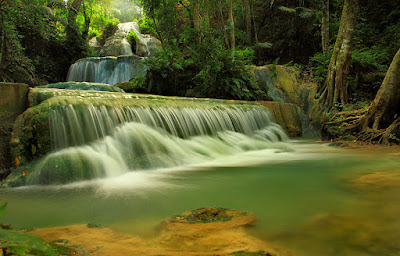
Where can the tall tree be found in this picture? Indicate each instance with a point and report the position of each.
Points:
(232, 24)
(73, 10)
(325, 26)
(334, 91)
(247, 19)
(382, 120)
(386, 106)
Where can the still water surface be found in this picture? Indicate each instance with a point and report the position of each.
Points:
(302, 194)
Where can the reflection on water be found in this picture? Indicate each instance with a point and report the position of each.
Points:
(309, 199)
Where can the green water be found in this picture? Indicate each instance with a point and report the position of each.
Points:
(286, 190)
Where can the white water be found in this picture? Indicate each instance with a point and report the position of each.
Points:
(107, 70)
(97, 142)
(75, 126)
(118, 64)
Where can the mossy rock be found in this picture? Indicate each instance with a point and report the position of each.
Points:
(85, 86)
(207, 215)
(20, 243)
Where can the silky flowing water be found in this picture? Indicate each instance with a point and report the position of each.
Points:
(301, 191)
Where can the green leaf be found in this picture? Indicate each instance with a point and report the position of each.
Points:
(287, 9)
(22, 242)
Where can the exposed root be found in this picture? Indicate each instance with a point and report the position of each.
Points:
(349, 126)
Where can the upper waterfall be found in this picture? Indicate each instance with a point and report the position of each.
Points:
(107, 70)
(118, 63)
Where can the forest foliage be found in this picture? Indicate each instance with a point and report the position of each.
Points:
(207, 44)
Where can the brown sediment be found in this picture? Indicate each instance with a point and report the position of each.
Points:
(377, 181)
(177, 237)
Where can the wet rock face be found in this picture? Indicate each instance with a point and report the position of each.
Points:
(288, 115)
(120, 43)
(210, 214)
(13, 101)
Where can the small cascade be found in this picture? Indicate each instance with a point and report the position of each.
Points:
(135, 146)
(95, 137)
(107, 70)
(117, 62)
(74, 126)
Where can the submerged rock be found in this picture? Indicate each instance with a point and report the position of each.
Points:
(377, 181)
(213, 214)
(224, 233)
(213, 229)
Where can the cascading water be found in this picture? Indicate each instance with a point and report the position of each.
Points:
(97, 141)
(117, 62)
(74, 126)
(107, 70)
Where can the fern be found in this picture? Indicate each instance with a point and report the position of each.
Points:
(305, 13)
(286, 9)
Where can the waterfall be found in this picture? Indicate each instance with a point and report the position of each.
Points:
(107, 70)
(74, 126)
(117, 62)
(92, 141)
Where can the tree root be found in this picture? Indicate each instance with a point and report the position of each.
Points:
(351, 127)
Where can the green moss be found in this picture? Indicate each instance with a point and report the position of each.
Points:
(334, 130)
(83, 86)
(208, 214)
(19, 243)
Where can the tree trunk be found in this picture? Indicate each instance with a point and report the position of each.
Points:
(334, 92)
(160, 37)
(73, 12)
(254, 22)
(231, 24)
(386, 106)
(247, 19)
(85, 31)
(221, 22)
(2, 40)
(196, 20)
(325, 27)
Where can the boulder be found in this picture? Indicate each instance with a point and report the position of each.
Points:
(213, 229)
(120, 43)
(13, 101)
(287, 115)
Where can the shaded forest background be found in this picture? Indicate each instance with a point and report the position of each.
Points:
(207, 45)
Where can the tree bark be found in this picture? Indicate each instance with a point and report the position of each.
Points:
(325, 27)
(73, 12)
(232, 24)
(247, 19)
(254, 22)
(334, 91)
(160, 37)
(386, 106)
(196, 20)
(85, 31)
(221, 22)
